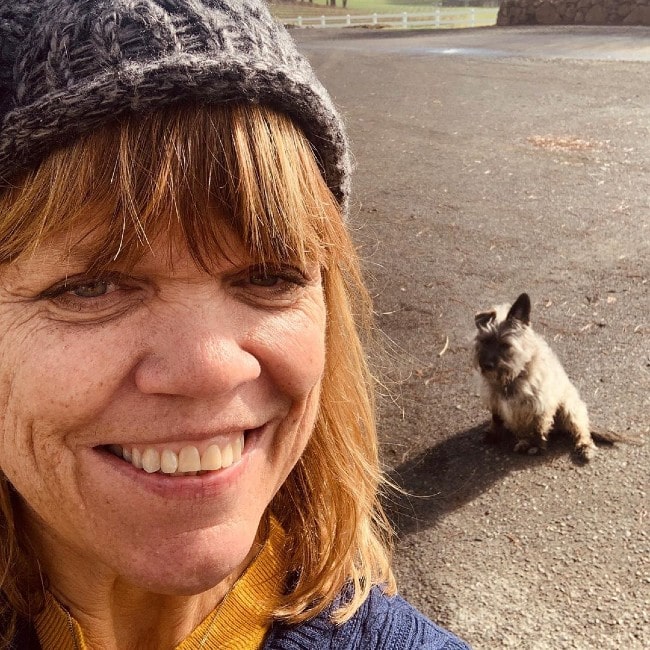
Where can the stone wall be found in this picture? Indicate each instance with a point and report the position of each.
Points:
(574, 12)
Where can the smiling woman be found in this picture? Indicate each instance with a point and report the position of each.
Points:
(187, 441)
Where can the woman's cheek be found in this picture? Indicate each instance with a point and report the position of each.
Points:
(294, 349)
(66, 376)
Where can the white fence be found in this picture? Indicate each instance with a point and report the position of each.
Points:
(446, 17)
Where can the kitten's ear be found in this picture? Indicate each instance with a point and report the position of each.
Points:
(520, 310)
(484, 318)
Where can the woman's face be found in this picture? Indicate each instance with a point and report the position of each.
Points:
(116, 389)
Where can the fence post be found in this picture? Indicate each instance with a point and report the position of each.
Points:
(347, 20)
(299, 21)
(437, 17)
(322, 21)
(473, 15)
(374, 19)
(405, 20)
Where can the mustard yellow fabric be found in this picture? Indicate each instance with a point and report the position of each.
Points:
(239, 622)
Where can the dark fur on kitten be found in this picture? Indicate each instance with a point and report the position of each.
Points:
(525, 386)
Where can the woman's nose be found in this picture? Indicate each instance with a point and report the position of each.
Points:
(196, 353)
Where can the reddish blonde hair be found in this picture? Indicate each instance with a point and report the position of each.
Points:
(176, 170)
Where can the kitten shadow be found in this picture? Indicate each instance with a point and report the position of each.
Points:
(452, 473)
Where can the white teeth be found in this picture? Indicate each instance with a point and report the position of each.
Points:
(189, 460)
(150, 460)
(168, 462)
(211, 458)
(226, 456)
(136, 459)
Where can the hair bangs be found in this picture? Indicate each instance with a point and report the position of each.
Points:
(194, 172)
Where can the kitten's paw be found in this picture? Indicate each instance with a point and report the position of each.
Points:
(586, 452)
(523, 447)
(530, 448)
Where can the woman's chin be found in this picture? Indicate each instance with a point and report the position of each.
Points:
(191, 567)
(186, 578)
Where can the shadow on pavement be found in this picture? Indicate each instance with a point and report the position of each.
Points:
(452, 473)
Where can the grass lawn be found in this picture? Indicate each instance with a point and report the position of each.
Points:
(453, 17)
(365, 7)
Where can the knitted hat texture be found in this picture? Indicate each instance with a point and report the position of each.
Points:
(69, 66)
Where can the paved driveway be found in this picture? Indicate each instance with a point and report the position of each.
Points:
(489, 162)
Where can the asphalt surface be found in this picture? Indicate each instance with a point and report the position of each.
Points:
(489, 162)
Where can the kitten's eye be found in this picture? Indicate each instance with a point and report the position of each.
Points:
(505, 345)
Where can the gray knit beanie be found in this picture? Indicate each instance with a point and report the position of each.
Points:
(69, 66)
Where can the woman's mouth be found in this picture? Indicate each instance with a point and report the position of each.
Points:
(182, 460)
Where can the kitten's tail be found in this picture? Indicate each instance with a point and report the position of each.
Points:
(611, 438)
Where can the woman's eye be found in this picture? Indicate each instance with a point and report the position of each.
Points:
(83, 288)
(280, 279)
(93, 289)
(83, 294)
(264, 279)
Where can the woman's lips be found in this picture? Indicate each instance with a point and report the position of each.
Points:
(201, 484)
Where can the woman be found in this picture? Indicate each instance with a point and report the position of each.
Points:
(187, 438)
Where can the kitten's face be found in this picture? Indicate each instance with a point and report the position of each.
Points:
(499, 353)
(502, 345)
